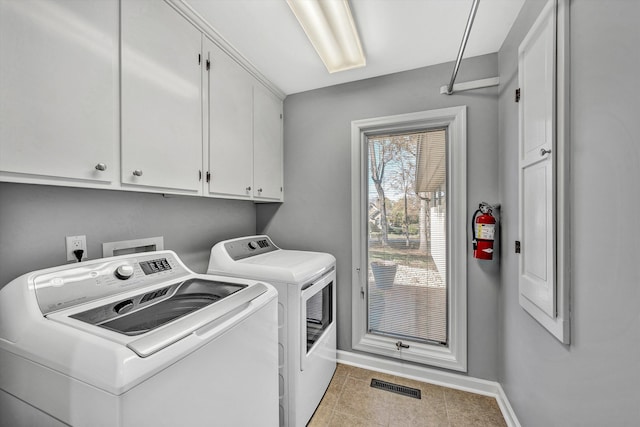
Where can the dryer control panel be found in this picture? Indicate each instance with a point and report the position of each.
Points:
(249, 246)
(74, 284)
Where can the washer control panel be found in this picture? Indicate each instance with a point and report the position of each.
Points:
(124, 272)
(249, 246)
(80, 283)
(155, 266)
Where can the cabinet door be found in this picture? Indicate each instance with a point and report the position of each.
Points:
(161, 98)
(537, 154)
(267, 145)
(230, 132)
(58, 90)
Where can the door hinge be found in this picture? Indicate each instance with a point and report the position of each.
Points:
(199, 175)
(517, 246)
(362, 291)
(199, 59)
(280, 116)
(208, 176)
(208, 65)
(518, 95)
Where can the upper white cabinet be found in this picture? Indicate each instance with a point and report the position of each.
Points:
(132, 95)
(230, 135)
(59, 91)
(244, 132)
(267, 146)
(161, 98)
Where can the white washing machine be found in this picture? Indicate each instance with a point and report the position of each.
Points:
(306, 285)
(137, 340)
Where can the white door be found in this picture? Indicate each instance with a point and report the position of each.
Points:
(59, 89)
(409, 281)
(230, 106)
(267, 145)
(537, 55)
(161, 97)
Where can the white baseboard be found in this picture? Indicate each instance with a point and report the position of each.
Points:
(505, 406)
(434, 376)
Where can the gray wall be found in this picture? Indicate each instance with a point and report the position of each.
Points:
(316, 214)
(34, 220)
(594, 381)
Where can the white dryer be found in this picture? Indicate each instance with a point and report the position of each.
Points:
(306, 285)
(137, 340)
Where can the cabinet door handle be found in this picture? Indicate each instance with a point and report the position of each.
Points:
(259, 190)
(101, 167)
(137, 172)
(543, 151)
(248, 188)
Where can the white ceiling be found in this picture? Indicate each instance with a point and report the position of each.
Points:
(396, 35)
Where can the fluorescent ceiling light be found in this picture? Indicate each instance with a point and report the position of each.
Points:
(330, 28)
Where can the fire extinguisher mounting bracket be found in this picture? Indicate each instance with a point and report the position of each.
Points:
(485, 207)
(483, 226)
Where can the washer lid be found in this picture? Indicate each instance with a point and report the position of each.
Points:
(139, 314)
(147, 326)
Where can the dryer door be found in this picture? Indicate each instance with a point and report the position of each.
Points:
(317, 315)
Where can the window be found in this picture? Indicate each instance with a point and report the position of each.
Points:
(409, 236)
(407, 244)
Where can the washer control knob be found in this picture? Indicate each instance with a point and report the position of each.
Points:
(253, 246)
(124, 272)
(123, 307)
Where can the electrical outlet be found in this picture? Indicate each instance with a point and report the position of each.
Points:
(74, 243)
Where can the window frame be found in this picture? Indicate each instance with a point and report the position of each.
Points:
(454, 355)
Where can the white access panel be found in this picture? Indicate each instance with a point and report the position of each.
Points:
(537, 58)
(537, 232)
(537, 76)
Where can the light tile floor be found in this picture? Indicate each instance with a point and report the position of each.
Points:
(351, 401)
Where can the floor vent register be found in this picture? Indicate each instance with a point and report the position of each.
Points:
(396, 388)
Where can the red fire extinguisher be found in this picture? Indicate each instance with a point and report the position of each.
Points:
(484, 230)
